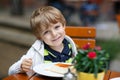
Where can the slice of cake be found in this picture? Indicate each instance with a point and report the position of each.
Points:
(60, 68)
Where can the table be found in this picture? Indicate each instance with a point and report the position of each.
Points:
(23, 76)
(111, 74)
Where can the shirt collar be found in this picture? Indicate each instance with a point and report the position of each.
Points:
(39, 46)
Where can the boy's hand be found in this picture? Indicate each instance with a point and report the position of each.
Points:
(26, 64)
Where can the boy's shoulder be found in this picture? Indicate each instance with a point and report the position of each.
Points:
(68, 38)
(37, 44)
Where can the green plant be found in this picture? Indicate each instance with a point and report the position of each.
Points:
(91, 60)
(108, 46)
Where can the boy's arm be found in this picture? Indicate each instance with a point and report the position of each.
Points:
(16, 67)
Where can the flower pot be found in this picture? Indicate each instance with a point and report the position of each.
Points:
(90, 76)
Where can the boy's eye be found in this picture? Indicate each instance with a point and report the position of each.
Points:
(45, 32)
(56, 27)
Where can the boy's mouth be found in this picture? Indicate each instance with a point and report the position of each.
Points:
(56, 38)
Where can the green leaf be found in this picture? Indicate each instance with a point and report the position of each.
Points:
(86, 66)
(95, 68)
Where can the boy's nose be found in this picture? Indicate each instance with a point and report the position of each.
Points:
(54, 33)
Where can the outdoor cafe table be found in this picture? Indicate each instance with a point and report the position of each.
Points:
(23, 76)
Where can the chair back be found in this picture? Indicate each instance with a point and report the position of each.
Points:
(118, 21)
(82, 35)
(111, 74)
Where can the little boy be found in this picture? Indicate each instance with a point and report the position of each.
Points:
(52, 45)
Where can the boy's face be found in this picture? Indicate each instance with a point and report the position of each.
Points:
(53, 35)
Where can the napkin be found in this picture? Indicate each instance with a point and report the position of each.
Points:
(117, 78)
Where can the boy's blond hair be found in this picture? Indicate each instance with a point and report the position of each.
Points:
(43, 17)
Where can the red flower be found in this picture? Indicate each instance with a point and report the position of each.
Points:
(87, 46)
(91, 55)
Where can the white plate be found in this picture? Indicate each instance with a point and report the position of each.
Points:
(117, 78)
(42, 70)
